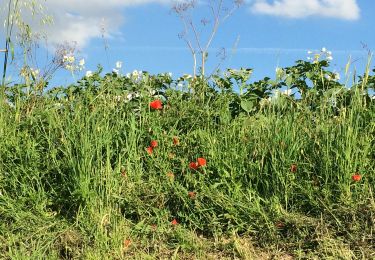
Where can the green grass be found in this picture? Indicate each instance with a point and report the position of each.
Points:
(76, 180)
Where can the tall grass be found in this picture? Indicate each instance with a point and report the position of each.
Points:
(76, 180)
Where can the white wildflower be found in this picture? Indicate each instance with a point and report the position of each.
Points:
(34, 72)
(118, 64)
(116, 71)
(82, 62)
(129, 97)
(89, 73)
(69, 67)
(324, 49)
(135, 73)
(69, 59)
(287, 92)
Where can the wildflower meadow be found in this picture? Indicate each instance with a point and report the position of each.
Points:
(134, 165)
(147, 166)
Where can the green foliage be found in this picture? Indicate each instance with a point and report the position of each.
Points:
(77, 180)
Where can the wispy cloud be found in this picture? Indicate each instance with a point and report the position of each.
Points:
(80, 21)
(341, 9)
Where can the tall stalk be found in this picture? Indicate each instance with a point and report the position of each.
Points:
(9, 28)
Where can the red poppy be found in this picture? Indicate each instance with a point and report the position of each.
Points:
(193, 165)
(174, 222)
(156, 104)
(176, 141)
(154, 143)
(201, 162)
(192, 194)
(293, 168)
(150, 150)
(356, 177)
(127, 243)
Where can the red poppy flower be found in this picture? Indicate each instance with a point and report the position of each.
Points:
(193, 165)
(201, 162)
(156, 104)
(293, 168)
(174, 222)
(154, 143)
(356, 177)
(150, 150)
(127, 243)
(192, 194)
(176, 141)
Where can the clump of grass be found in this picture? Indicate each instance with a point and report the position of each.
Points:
(224, 178)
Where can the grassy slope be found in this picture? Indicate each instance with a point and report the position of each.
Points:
(78, 182)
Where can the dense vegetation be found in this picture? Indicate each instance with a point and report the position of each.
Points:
(144, 166)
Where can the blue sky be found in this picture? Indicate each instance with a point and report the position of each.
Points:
(143, 34)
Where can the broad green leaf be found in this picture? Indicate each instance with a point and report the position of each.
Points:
(247, 105)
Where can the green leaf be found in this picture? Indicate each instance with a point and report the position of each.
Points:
(11, 49)
(247, 105)
(289, 80)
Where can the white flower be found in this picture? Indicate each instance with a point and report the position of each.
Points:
(337, 76)
(89, 73)
(129, 96)
(287, 92)
(329, 58)
(69, 59)
(135, 73)
(324, 49)
(309, 52)
(116, 71)
(118, 64)
(128, 75)
(170, 74)
(82, 62)
(34, 72)
(69, 67)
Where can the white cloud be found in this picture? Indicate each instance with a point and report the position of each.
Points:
(341, 9)
(82, 20)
